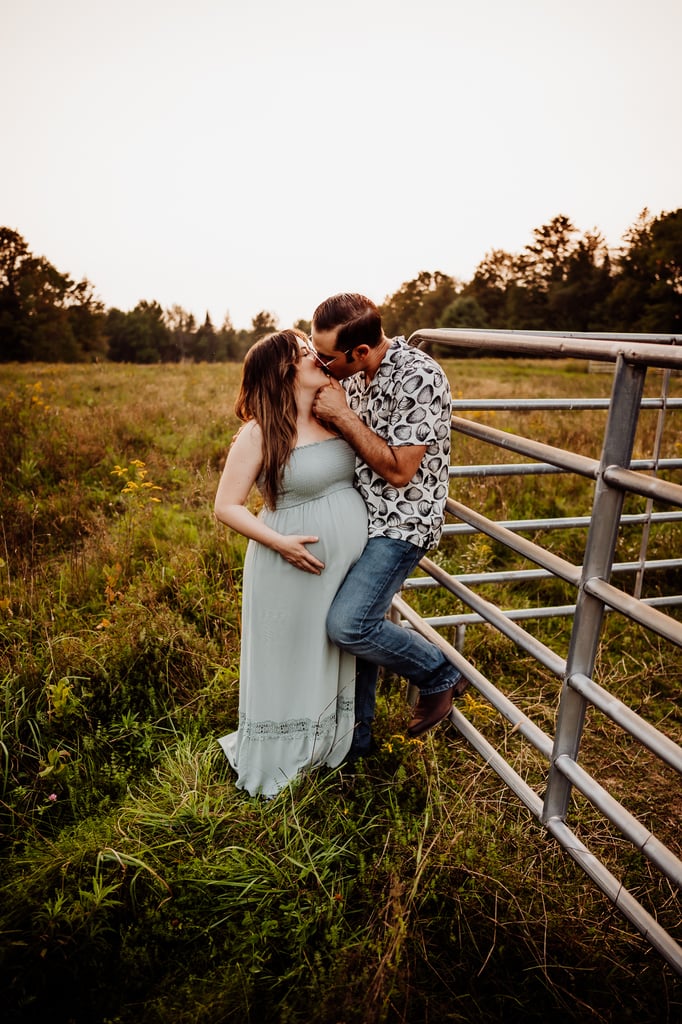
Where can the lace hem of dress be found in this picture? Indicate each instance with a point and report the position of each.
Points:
(326, 725)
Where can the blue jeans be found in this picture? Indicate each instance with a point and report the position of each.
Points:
(357, 623)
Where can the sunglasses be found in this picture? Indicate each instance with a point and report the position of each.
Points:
(316, 357)
(322, 360)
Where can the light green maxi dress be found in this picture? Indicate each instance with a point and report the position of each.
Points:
(296, 689)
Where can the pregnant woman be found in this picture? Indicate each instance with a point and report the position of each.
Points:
(296, 688)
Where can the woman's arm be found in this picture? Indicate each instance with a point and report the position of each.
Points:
(243, 464)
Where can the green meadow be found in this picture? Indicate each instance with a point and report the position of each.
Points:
(138, 885)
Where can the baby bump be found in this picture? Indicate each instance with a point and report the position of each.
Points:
(339, 519)
(351, 516)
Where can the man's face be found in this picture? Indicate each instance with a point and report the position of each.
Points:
(336, 360)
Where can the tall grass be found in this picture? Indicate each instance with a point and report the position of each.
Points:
(139, 885)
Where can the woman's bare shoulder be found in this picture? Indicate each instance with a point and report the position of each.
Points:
(249, 435)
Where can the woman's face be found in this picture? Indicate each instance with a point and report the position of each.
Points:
(309, 372)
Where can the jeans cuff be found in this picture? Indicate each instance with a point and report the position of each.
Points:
(443, 682)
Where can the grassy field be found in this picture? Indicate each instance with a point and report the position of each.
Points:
(138, 885)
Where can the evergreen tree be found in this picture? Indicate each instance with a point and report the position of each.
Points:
(206, 343)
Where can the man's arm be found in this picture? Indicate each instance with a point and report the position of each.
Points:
(396, 465)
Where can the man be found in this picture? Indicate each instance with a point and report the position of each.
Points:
(394, 410)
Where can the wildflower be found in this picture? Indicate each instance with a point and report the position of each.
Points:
(136, 486)
(52, 797)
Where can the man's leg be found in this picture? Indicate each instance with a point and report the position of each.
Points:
(357, 622)
(365, 699)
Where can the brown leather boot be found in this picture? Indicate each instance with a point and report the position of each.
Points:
(429, 710)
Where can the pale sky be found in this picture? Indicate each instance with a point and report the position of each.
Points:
(233, 156)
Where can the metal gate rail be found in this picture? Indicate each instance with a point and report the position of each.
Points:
(615, 474)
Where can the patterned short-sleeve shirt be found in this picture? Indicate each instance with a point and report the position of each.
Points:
(407, 402)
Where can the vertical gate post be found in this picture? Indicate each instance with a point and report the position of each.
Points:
(619, 436)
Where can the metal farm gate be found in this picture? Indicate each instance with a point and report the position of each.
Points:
(615, 475)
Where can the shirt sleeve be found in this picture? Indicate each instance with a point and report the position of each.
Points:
(421, 406)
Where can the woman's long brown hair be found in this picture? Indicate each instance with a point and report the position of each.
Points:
(267, 395)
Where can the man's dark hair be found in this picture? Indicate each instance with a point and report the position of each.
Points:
(356, 316)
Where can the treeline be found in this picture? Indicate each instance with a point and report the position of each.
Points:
(45, 316)
(561, 281)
